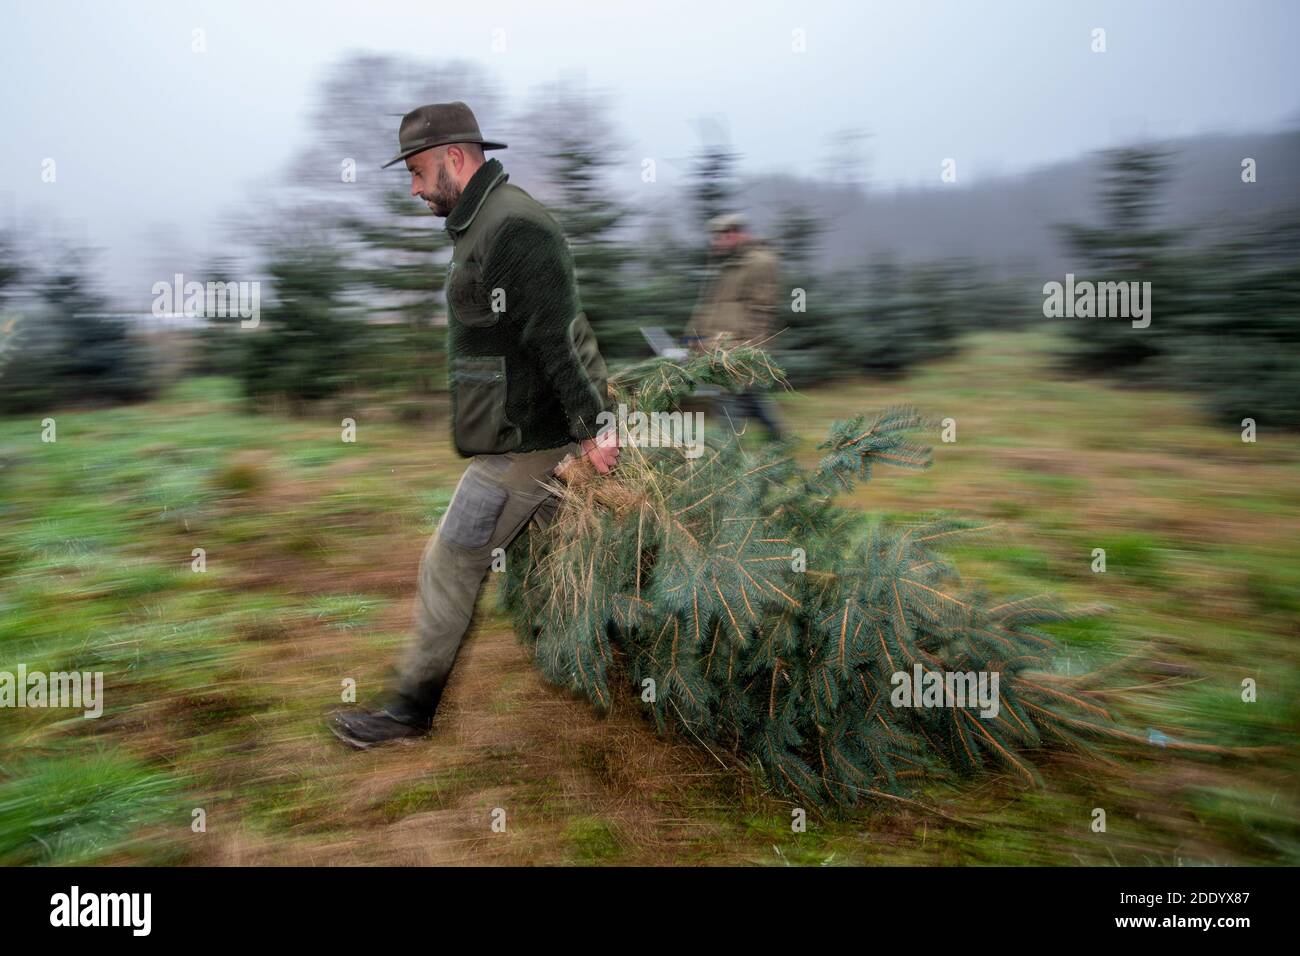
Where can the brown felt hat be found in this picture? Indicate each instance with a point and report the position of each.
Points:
(437, 125)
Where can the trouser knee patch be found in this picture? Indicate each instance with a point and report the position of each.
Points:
(474, 510)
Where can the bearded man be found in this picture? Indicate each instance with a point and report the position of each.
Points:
(527, 384)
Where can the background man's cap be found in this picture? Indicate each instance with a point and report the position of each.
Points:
(726, 222)
(437, 125)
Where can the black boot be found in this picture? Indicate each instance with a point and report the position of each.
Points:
(402, 719)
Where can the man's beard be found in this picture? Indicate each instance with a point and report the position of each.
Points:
(445, 194)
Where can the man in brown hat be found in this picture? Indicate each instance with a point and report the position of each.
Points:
(738, 304)
(527, 385)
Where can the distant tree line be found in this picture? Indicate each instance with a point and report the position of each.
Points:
(1225, 314)
(59, 342)
(353, 288)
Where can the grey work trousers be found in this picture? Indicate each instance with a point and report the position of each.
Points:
(740, 407)
(493, 502)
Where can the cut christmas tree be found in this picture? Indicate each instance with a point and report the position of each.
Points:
(743, 606)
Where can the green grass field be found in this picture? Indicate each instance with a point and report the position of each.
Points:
(216, 683)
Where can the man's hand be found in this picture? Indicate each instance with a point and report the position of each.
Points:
(602, 450)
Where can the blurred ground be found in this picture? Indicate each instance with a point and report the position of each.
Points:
(217, 683)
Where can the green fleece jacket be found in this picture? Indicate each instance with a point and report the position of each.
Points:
(525, 369)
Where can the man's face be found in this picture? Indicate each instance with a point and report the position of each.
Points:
(432, 181)
(724, 242)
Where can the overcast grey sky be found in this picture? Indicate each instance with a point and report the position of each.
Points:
(152, 141)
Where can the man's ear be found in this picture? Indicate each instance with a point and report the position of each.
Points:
(456, 159)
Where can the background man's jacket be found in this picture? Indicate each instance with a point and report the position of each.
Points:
(740, 296)
(524, 367)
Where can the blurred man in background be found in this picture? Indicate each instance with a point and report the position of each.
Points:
(527, 385)
(738, 304)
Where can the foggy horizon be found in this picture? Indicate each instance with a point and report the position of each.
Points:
(157, 145)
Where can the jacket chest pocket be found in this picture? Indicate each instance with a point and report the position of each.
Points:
(468, 298)
(479, 425)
